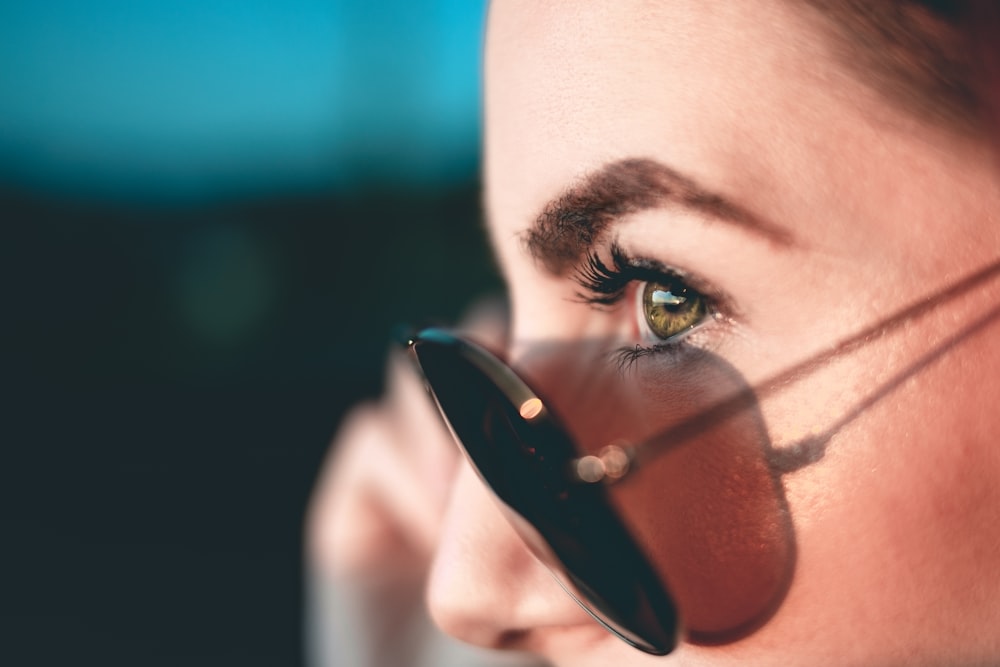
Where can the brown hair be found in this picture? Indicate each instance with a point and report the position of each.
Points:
(938, 59)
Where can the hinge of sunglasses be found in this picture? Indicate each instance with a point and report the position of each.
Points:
(608, 466)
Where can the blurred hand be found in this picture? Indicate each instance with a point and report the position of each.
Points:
(375, 513)
(374, 522)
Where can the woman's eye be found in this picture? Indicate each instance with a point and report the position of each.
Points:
(671, 307)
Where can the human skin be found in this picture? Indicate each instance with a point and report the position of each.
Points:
(897, 524)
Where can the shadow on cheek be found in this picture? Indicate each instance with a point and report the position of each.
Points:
(703, 504)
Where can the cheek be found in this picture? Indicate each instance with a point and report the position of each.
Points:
(937, 492)
(899, 524)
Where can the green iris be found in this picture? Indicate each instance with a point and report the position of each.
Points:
(671, 308)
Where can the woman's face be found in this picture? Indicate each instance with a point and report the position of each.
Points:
(722, 147)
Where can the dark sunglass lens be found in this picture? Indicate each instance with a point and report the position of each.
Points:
(524, 457)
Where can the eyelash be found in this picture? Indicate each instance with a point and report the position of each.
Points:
(605, 286)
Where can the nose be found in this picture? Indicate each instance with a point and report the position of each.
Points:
(485, 586)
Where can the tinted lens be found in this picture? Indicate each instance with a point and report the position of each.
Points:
(703, 516)
(704, 500)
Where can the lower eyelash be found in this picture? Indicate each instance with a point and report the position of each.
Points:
(626, 358)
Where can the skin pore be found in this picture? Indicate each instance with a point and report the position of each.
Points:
(727, 145)
(896, 525)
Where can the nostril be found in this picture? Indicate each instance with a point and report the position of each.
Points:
(512, 639)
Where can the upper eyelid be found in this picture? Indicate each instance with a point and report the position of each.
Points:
(605, 286)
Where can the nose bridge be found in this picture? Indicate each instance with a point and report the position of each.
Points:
(582, 384)
(485, 587)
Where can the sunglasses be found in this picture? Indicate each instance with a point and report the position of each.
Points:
(657, 504)
(603, 515)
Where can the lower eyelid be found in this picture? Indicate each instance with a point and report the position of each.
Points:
(702, 337)
(669, 352)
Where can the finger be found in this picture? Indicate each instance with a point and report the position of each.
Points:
(370, 509)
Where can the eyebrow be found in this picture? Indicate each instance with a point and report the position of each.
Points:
(573, 223)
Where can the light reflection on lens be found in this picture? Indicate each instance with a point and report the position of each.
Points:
(531, 408)
(590, 468)
(611, 464)
(615, 460)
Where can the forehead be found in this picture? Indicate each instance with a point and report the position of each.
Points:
(594, 81)
(740, 95)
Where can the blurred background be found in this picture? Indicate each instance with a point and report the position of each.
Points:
(213, 214)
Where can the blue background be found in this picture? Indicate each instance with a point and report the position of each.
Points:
(192, 98)
(214, 212)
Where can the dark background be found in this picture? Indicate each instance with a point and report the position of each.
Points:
(181, 341)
